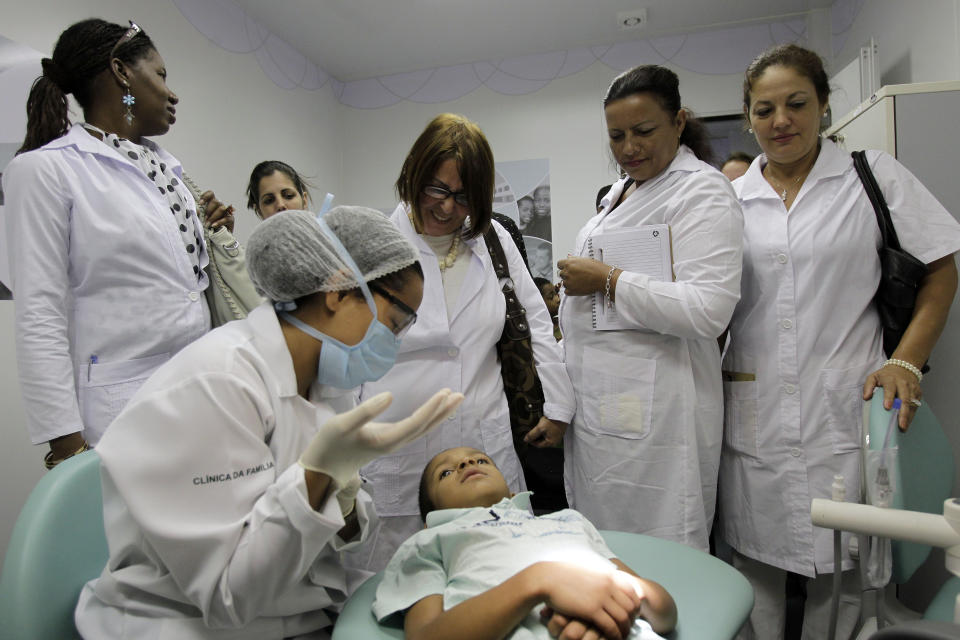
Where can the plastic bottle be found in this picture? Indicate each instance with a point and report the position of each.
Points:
(884, 493)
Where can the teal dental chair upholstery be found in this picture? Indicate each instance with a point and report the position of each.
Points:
(58, 544)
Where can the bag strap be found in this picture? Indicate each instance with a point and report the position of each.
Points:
(888, 233)
(497, 255)
(516, 314)
(195, 192)
(213, 268)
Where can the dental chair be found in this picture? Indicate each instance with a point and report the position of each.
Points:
(713, 599)
(922, 472)
(58, 544)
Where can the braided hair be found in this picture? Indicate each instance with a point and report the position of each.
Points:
(82, 52)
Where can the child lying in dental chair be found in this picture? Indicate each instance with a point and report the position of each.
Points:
(484, 566)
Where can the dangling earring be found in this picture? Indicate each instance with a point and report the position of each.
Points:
(128, 100)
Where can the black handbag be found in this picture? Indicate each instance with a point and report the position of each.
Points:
(515, 352)
(900, 272)
(542, 467)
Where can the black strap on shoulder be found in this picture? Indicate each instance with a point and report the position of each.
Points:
(888, 233)
(516, 327)
(497, 255)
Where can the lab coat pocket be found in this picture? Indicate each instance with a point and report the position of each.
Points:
(105, 388)
(392, 479)
(617, 394)
(740, 423)
(843, 404)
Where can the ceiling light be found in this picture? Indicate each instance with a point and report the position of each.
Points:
(632, 20)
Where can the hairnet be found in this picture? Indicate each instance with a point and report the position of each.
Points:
(290, 256)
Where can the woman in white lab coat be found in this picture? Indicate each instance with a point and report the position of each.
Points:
(214, 529)
(644, 448)
(446, 189)
(106, 251)
(805, 340)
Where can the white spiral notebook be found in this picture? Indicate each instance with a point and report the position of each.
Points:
(645, 249)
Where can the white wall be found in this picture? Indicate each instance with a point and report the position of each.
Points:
(562, 122)
(918, 41)
(230, 117)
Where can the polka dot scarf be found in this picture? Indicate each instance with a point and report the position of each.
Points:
(184, 214)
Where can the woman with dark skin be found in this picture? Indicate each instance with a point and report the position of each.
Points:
(107, 253)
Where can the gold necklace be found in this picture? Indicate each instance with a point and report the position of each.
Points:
(447, 261)
(783, 189)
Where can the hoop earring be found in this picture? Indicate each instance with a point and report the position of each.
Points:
(128, 100)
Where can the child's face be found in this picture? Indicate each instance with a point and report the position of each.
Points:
(525, 210)
(464, 477)
(550, 296)
(541, 201)
(542, 258)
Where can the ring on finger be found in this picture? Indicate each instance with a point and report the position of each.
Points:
(916, 403)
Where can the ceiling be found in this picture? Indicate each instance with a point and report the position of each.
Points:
(357, 39)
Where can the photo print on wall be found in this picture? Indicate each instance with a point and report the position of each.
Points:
(522, 192)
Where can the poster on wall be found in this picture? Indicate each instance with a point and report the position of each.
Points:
(19, 67)
(522, 192)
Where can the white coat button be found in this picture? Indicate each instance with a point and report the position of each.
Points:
(194, 296)
(782, 258)
(789, 388)
(787, 323)
(795, 453)
(452, 352)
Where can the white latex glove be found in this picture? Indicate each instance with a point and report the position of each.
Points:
(349, 440)
(347, 496)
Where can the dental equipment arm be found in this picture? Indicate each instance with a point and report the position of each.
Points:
(914, 526)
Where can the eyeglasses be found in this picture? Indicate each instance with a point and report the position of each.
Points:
(411, 316)
(442, 193)
(126, 37)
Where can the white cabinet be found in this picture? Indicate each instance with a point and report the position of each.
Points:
(918, 124)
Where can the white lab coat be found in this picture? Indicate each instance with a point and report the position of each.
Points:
(103, 287)
(205, 506)
(643, 450)
(806, 328)
(458, 350)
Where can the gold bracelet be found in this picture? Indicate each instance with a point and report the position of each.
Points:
(50, 463)
(906, 365)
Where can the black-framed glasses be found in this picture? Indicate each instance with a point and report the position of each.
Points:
(442, 193)
(410, 315)
(128, 35)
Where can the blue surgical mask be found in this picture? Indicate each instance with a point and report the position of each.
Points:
(342, 365)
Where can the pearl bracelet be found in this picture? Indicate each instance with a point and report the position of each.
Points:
(606, 288)
(906, 365)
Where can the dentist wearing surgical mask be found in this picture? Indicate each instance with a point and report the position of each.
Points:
(230, 480)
